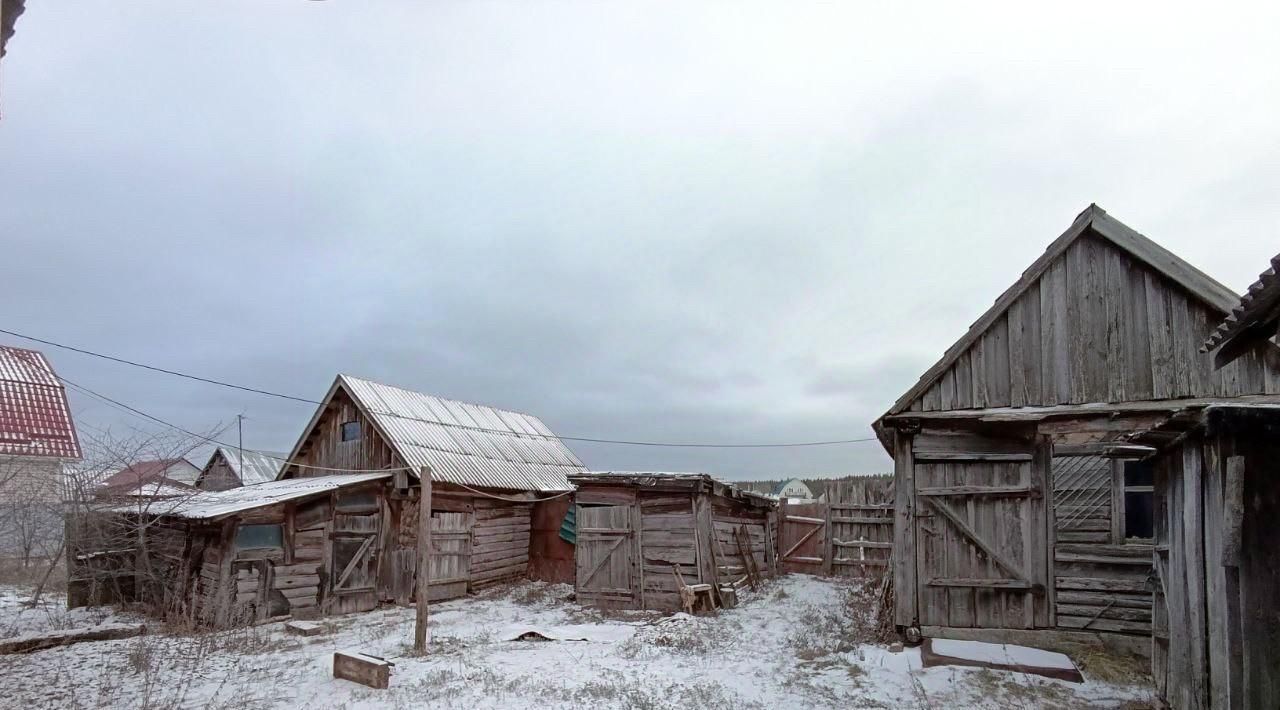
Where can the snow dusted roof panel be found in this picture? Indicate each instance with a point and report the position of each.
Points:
(258, 466)
(35, 419)
(466, 444)
(206, 505)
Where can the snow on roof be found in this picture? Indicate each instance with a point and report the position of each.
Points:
(258, 466)
(156, 489)
(34, 417)
(466, 444)
(205, 505)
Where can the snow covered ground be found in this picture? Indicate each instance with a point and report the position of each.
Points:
(799, 642)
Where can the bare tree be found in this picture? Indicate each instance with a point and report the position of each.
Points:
(120, 547)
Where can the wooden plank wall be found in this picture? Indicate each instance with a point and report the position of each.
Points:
(219, 476)
(500, 542)
(1102, 584)
(1096, 327)
(325, 447)
(667, 540)
(732, 519)
(608, 574)
(1222, 638)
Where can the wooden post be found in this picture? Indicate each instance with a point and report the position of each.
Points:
(424, 559)
(828, 543)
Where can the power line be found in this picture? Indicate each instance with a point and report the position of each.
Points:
(586, 439)
(209, 440)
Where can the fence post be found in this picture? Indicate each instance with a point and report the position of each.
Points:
(829, 548)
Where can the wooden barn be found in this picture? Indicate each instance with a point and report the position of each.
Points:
(1020, 508)
(489, 468)
(229, 467)
(634, 530)
(1217, 488)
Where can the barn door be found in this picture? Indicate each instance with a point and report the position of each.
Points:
(982, 550)
(606, 556)
(354, 553)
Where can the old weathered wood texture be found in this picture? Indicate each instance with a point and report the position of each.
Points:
(362, 668)
(1096, 326)
(325, 448)
(633, 540)
(1219, 645)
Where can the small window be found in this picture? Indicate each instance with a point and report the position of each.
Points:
(253, 537)
(1139, 500)
(360, 502)
(351, 431)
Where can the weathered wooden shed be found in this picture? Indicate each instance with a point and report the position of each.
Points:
(634, 529)
(1020, 509)
(489, 467)
(229, 467)
(1217, 493)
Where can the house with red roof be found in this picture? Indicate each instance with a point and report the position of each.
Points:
(169, 473)
(37, 442)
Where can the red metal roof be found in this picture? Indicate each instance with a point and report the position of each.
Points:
(169, 470)
(35, 419)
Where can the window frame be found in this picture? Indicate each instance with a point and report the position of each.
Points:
(1118, 490)
(342, 431)
(235, 541)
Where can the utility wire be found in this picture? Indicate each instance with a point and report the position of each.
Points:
(305, 400)
(206, 439)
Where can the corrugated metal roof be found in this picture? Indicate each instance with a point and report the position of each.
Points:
(258, 466)
(206, 505)
(466, 444)
(1256, 312)
(35, 419)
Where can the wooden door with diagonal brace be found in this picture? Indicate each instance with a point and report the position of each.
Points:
(606, 556)
(982, 552)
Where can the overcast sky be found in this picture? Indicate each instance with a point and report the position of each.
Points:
(690, 222)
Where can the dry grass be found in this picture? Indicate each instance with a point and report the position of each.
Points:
(1101, 664)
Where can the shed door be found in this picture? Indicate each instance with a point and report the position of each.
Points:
(606, 556)
(982, 534)
(354, 554)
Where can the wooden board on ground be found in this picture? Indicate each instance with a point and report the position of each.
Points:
(998, 656)
(362, 668)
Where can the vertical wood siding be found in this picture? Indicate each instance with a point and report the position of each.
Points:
(324, 446)
(1096, 327)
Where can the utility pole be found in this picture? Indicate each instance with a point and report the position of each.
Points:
(424, 558)
(240, 446)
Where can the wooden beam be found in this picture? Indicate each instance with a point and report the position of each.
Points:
(969, 456)
(1024, 490)
(975, 582)
(1233, 511)
(420, 636)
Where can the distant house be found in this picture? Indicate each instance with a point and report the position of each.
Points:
(132, 480)
(37, 442)
(232, 468)
(794, 488)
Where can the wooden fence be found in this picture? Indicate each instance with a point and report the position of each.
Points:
(850, 534)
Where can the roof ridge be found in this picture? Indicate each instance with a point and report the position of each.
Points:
(436, 396)
(1093, 218)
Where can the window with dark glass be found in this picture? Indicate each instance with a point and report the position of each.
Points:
(350, 431)
(251, 537)
(1139, 499)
